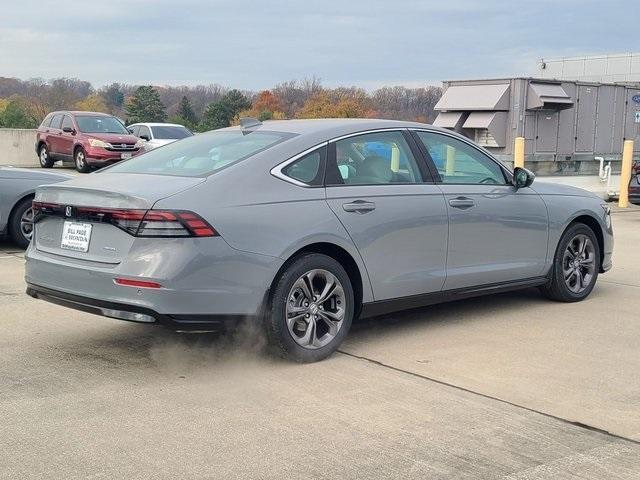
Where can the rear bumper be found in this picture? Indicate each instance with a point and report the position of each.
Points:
(134, 313)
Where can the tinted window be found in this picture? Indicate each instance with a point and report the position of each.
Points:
(374, 158)
(56, 121)
(66, 122)
(459, 162)
(307, 169)
(168, 132)
(144, 131)
(201, 155)
(100, 124)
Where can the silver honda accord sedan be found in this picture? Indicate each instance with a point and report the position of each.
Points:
(300, 226)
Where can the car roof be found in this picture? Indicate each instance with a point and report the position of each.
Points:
(157, 124)
(333, 127)
(81, 112)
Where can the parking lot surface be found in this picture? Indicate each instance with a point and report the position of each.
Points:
(506, 386)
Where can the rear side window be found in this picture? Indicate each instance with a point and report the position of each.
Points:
(308, 169)
(373, 159)
(56, 121)
(203, 154)
(170, 132)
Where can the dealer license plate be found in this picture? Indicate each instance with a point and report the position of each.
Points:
(76, 236)
(125, 156)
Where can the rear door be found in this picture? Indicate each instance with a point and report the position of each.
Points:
(496, 233)
(385, 198)
(66, 139)
(53, 137)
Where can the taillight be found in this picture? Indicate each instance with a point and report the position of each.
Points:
(139, 223)
(136, 283)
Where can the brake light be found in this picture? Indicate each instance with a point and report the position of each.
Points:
(136, 222)
(136, 283)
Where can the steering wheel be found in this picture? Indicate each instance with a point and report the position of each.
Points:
(490, 180)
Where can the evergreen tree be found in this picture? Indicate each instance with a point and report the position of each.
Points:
(185, 113)
(145, 106)
(216, 115)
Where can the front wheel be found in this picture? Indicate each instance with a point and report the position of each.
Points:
(80, 159)
(576, 265)
(311, 309)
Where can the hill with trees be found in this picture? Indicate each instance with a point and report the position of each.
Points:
(24, 103)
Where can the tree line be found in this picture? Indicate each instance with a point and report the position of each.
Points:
(24, 103)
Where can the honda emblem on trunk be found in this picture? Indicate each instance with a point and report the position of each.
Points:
(68, 211)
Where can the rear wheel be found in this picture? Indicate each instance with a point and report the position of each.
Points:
(21, 223)
(311, 309)
(80, 159)
(576, 265)
(43, 156)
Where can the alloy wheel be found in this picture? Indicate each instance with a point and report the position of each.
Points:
(26, 224)
(578, 263)
(315, 308)
(44, 156)
(80, 159)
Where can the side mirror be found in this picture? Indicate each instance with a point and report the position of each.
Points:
(145, 137)
(522, 177)
(130, 130)
(68, 130)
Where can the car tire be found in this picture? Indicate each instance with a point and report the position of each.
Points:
(43, 156)
(22, 215)
(306, 329)
(80, 159)
(576, 265)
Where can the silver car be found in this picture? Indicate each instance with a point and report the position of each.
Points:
(158, 134)
(303, 225)
(17, 189)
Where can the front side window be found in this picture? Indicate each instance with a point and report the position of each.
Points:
(201, 155)
(100, 124)
(459, 162)
(66, 122)
(170, 132)
(372, 159)
(307, 169)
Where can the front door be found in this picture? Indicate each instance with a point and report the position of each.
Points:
(66, 139)
(395, 216)
(496, 233)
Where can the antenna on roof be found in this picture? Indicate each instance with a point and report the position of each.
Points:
(248, 122)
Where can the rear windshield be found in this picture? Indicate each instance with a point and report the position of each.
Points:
(100, 124)
(165, 132)
(202, 154)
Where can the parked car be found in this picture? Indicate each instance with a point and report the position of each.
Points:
(304, 225)
(88, 139)
(17, 189)
(158, 134)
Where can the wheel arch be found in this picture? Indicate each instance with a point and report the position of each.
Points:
(338, 253)
(593, 223)
(31, 193)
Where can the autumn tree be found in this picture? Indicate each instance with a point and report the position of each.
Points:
(92, 103)
(266, 106)
(145, 106)
(321, 105)
(18, 112)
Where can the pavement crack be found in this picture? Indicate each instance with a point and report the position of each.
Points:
(491, 397)
(618, 283)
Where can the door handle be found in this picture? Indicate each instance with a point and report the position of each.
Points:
(359, 206)
(462, 202)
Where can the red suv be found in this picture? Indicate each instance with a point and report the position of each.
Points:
(89, 139)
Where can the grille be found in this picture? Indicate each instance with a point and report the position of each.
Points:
(122, 147)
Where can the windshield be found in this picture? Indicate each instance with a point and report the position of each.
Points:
(201, 155)
(100, 124)
(170, 132)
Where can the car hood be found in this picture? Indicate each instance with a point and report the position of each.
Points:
(33, 174)
(113, 137)
(548, 188)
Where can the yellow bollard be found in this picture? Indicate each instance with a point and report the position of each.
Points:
(625, 173)
(450, 168)
(518, 153)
